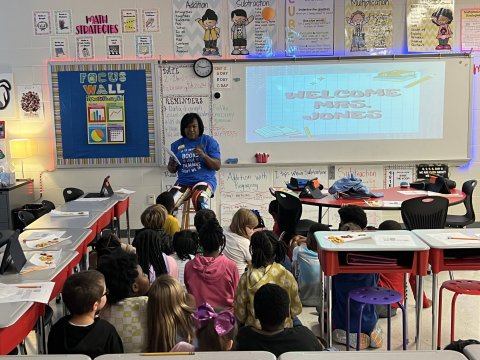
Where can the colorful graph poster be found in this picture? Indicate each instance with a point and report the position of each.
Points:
(30, 99)
(368, 26)
(106, 119)
(199, 31)
(470, 29)
(309, 28)
(253, 27)
(429, 25)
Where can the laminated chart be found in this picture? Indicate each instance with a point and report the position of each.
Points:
(106, 119)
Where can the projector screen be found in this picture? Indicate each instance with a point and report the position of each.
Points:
(325, 102)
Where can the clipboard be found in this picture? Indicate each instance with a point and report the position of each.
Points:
(172, 155)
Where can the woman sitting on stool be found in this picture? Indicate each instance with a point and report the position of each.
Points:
(199, 157)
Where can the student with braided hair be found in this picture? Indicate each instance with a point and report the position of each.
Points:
(212, 277)
(267, 253)
(151, 259)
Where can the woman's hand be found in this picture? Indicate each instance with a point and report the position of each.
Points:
(211, 163)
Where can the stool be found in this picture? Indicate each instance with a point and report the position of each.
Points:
(375, 296)
(187, 209)
(465, 287)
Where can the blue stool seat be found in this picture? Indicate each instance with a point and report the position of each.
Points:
(375, 296)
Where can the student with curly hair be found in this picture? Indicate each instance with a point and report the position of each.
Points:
(267, 253)
(169, 313)
(153, 218)
(185, 244)
(126, 307)
(212, 277)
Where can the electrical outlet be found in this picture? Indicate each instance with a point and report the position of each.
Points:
(151, 199)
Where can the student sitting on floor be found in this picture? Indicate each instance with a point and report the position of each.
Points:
(353, 218)
(267, 252)
(153, 218)
(272, 307)
(126, 307)
(171, 225)
(84, 294)
(201, 218)
(185, 244)
(396, 281)
(306, 267)
(169, 311)
(212, 277)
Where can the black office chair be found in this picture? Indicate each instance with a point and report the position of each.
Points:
(289, 214)
(71, 193)
(26, 217)
(48, 205)
(425, 212)
(459, 221)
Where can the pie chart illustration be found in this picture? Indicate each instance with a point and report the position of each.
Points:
(97, 135)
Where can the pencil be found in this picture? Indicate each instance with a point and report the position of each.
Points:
(28, 287)
(462, 238)
(167, 353)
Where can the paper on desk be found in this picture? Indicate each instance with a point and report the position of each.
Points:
(413, 192)
(56, 213)
(392, 203)
(83, 199)
(394, 240)
(34, 291)
(40, 235)
(47, 241)
(171, 154)
(125, 191)
(432, 193)
(446, 238)
(42, 261)
(343, 238)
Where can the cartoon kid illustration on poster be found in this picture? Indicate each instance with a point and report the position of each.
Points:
(239, 31)
(209, 23)
(442, 17)
(357, 20)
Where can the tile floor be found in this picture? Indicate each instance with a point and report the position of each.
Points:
(467, 318)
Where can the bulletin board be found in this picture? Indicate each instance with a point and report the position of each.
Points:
(104, 113)
(413, 108)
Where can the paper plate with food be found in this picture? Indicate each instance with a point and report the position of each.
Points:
(343, 238)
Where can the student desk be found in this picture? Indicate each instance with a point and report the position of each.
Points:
(472, 352)
(48, 221)
(18, 319)
(390, 194)
(105, 207)
(214, 355)
(448, 256)
(78, 241)
(374, 355)
(412, 258)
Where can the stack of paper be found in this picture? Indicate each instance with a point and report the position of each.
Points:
(55, 213)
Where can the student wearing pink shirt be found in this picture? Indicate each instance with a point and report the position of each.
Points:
(212, 277)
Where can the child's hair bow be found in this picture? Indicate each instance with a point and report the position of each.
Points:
(223, 321)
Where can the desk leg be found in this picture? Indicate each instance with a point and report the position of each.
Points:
(320, 214)
(41, 338)
(419, 308)
(328, 281)
(434, 310)
(321, 316)
(405, 296)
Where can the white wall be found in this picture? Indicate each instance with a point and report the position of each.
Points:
(27, 56)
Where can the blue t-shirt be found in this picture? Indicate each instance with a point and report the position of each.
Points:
(193, 168)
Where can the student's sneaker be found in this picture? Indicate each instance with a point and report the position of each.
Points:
(340, 336)
(376, 338)
(236, 52)
(244, 52)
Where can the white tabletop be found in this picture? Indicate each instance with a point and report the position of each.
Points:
(10, 313)
(218, 355)
(79, 205)
(370, 243)
(48, 221)
(472, 352)
(433, 238)
(372, 355)
(76, 238)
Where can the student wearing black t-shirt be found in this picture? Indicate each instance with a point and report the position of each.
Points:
(81, 332)
(272, 306)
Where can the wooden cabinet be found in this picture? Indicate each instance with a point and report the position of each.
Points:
(12, 197)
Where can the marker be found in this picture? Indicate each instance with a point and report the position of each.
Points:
(462, 238)
(28, 287)
(167, 353)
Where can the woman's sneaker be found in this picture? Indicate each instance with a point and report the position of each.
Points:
(340, 336)
(376, 338)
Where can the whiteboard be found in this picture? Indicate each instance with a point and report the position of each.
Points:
(422, 105)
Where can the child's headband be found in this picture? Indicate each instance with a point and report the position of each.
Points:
(223, 321)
